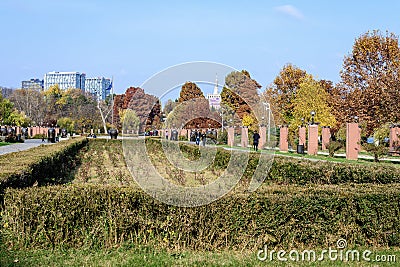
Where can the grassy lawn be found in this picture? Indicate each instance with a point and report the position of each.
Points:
(4, 143)
(128, 256)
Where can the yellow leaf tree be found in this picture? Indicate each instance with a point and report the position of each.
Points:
(311, 96)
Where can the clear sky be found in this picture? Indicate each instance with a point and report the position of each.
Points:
(132, 40)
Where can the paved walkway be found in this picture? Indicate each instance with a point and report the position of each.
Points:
(29, 143)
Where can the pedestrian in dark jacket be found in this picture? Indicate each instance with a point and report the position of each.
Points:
(256, 138)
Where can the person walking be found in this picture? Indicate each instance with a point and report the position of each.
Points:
(256, 138)
(197, 137)
(204, 138)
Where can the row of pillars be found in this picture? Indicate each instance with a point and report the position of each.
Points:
(244, 142)
(353, 138)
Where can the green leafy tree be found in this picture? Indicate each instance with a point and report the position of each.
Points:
(6, 110)
(66, 123)
(130, 120)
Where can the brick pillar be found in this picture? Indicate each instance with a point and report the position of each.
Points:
(183, 132)
(231, 136)
(394, 136)
(352, 141)
(263, 137)
(302, 135)
(312, 147)
(283, 139)
(326, 136)
(245, 137)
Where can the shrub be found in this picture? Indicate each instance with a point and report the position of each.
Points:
(39, 136)
(105, 216)
(377, 150)
(333, 147)
(44, 164)
(223, 138)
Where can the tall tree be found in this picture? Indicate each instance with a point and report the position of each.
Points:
(192, 109)
(147, 107)
(282, 92)
(311, 96)
(240, 95)
(6, 109)
(29, 101)
(371, 79)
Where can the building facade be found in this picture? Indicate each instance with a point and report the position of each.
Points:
(65, 80)
(35, 84)
(214, 99)
(99, 87)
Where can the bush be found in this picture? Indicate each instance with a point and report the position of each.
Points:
(223, 138)
(333, 147)
(39, 136)
(377, 150)
(91, 216)
(44, 164)
(12, 139)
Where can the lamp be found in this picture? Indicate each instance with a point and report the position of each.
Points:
(312, 117)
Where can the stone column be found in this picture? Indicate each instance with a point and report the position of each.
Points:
(245, 137)
(183, 132)
(231, 136)
(352, 141)
(262, 131)
(312, 147)
(394, 137)
(302, 135)
(283, 139)
(326, 136)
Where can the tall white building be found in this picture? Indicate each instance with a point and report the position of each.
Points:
(214, 99)
(99, 87)
(65, 80)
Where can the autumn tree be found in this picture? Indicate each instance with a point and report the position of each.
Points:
(192, 109)
(370, 79)
(282, 92)
(147, 107)
(240, 97)
(311, 96)
(169, 106)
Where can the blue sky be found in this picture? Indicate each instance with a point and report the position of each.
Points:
(132, 40)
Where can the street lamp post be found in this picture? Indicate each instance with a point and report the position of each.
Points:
(312, 117)
(222, 120)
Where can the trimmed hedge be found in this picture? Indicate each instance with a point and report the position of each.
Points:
(45, 164)
(284, 216)
(296, 171)
(287, 170)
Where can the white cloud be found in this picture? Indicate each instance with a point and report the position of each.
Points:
(291, 11)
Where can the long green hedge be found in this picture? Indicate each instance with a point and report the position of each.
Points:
(44, 164)
(287, 170)
(284, 216)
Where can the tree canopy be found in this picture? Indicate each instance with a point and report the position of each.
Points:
(370, 79)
